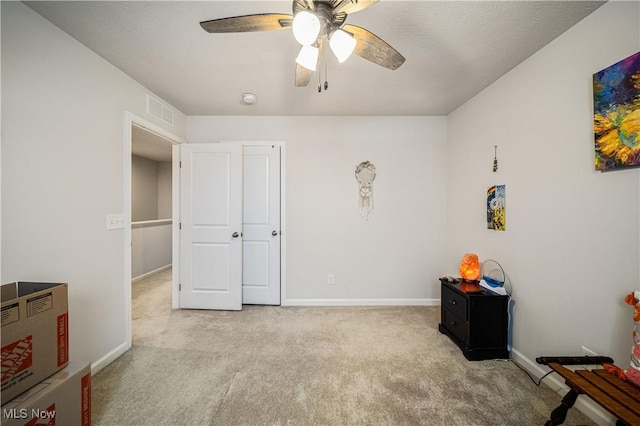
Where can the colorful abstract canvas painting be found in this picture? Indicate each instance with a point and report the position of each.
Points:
(616, 120)
(496, 208)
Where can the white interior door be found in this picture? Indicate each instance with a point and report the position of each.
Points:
(261, 225)
(211, 226)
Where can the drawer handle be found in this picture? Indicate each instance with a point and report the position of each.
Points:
(453, 302)
(453, 323)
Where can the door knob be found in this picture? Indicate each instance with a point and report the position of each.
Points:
(274, 233)
(235, 235)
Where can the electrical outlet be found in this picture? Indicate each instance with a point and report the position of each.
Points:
(331, 279)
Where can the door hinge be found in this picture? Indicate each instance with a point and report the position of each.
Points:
(180, 164)
(180, 225)
(179, 287)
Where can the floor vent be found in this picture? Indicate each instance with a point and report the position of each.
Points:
(159, 110)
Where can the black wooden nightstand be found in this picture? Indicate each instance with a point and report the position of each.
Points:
(476, 319)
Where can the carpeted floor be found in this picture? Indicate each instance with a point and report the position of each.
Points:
(306, 366)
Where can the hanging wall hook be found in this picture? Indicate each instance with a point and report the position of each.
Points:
(495, 158)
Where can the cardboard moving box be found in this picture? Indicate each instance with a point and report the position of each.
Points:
(35, 334)
(63, 399)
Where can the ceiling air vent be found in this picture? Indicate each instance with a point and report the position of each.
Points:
(159, 110)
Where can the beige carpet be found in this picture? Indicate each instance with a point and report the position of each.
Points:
(306, 366)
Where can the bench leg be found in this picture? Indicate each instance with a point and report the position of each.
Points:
(560, 414)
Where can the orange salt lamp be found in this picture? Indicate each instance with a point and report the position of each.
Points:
(470, 267)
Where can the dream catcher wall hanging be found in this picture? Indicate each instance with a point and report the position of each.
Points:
(365, 175)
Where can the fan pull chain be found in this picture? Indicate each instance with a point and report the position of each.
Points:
(320, 71)
(326, 75)
(326, 83)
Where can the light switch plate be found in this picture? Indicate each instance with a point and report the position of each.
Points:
(115, 221)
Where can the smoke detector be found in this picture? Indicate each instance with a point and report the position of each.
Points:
(249, 98)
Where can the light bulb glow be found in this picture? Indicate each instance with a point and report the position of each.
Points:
(306, 28)
(308, 57)
(342, 45)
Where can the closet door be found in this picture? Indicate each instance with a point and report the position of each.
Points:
(211, 226)
(261, 225)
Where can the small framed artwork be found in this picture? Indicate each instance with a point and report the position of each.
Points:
(496, 208)
(616, 115)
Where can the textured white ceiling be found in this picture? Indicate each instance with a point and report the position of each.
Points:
(454, 49)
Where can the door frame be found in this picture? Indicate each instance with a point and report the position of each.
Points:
(131, 120)
(175, 302)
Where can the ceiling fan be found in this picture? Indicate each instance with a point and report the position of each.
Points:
(312, 22)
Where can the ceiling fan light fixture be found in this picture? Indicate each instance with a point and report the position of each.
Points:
(306, 28)
(308, 57)
(342, 44)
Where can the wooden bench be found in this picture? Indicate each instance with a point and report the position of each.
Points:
(620, 398)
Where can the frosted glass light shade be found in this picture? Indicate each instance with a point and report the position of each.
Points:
(306, 28)
(342, 44)
(308, 57)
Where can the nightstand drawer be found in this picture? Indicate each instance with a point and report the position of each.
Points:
(454, 302)
(455, 325)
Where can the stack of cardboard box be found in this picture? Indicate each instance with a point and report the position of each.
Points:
(39, 384)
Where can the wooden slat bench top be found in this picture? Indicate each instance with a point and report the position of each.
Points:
(620, 398)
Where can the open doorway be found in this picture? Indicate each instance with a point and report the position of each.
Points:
(151, 208)
(151, 226)
(149, 211)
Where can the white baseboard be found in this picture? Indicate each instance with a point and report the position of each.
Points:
(361, 302)
(585, 404)
(109, 358)
(148, 274)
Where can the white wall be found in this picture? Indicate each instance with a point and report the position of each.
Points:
(571, 248)
(150, 201)
(150, 248)
(150, 189)
(398, 253)
(63, 172)
(144, 189)
(164, 190)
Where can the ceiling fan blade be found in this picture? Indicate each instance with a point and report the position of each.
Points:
(248, 23)
(303, 76)
(351, 6)
(374, 49)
